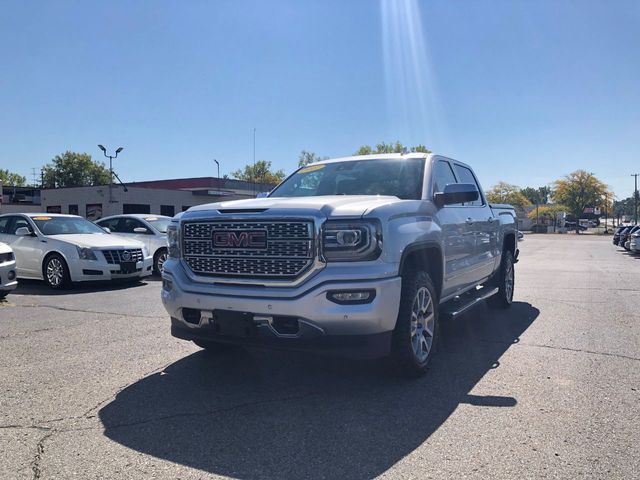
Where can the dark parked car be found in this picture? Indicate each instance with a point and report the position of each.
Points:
(616, 234)
(625, 236)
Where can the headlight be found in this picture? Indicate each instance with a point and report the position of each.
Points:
(173, 240)
(86, 253)
(351, 241)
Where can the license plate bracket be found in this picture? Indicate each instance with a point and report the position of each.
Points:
(127, 267)
(233, 324)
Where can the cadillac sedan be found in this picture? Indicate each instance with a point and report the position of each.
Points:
(61, 249)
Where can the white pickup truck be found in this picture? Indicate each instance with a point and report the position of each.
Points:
(359, 255)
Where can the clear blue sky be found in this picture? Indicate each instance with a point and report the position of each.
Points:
(525, 91)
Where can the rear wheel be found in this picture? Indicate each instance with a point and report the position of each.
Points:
(3, 294)
(416, 333)
(56, 272)
(158, 260)
(505, 281)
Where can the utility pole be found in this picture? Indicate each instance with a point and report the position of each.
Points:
(635, 198)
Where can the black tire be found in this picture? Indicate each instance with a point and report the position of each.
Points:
(412, 345)
(3, 294)
(158, 260)
(56, 272)
(217, 347)
(505, 276)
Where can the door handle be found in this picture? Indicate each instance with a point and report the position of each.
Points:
(469, 221)
(490, 219)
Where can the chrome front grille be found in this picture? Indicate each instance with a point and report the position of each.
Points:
(115, 257)
(289, 249)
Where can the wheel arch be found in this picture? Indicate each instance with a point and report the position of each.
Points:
(425, 256)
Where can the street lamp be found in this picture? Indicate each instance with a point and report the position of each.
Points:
(218, 164)
(110, 157)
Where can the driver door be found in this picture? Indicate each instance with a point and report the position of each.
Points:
(28, 250)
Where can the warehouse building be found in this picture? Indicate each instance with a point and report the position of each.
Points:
(163, 197)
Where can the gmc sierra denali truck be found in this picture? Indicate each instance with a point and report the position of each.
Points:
(359, 255)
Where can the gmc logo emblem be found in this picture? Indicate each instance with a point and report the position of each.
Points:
(240, 239)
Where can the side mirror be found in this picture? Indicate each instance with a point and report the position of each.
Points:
(140, 230)
(262, 195)
(24, 232)
(457, 193)
(106, 229)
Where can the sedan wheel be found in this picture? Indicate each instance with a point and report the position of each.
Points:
(160, 258)
(56, 272)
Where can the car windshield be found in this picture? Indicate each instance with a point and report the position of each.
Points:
(160, 224)
(401, 178)
(65, 225)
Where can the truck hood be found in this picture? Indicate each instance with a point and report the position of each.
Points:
(97, 240)
(330, 205)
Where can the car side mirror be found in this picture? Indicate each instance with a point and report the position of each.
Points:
(140, 230)
(24, 232)
(106, 229)
(457, 193)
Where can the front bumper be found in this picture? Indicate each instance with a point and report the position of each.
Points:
(93, 270)
(322, 324)
(8, 276)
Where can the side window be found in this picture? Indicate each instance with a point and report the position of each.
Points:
(129, 224)
(18, 223)
(110, 223)
(4, 224)
(466, 176)
(442, 176)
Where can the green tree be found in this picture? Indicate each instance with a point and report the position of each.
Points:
(547, 214)
(260, 173)
(538, 195)
(383, 147)
(305, 158)
(504, 192)
(13, 179)
(579, 190)
(73, 169)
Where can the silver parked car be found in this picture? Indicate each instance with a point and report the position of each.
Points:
(148, 229)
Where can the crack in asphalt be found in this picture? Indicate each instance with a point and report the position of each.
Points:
(78, 310)
(36, 463)
(568, 349)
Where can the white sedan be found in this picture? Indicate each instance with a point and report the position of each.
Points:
(61, 249)
(148, 229)
(7, 270)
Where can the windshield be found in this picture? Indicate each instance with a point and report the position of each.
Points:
(160, 224)
(65, 225)
(401, 178)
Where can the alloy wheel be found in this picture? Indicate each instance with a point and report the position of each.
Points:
(422, 324)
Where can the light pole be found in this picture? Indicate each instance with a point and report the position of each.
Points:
(218, 165)
(110, 157)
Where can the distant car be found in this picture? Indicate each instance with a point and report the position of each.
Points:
(8, 276)
(616, 234)
(634, 241)
(61, 249)
(625, 236)
(148, 229)
(572, 226)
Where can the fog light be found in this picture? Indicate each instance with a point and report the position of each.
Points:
(11, 275)
(351, 296)
(167, 285)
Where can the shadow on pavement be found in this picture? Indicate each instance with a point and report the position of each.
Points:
(39, 287)
(256, 414)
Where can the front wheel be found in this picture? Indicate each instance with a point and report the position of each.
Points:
(416, 333)
(56, 272)
(3, 294)
(505, 281)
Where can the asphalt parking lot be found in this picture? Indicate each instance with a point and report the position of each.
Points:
(93, 386)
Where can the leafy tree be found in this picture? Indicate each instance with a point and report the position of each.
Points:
(73, 169)
(578, 190)
(538, 196)
(383, 147)
(13, 179)
(504, 192)
(305, 158)
(260, 173)
(623, 207)
(546, 213)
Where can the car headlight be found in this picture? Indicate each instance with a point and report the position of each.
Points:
(173, 240)
(86, 253)
(351, 241)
